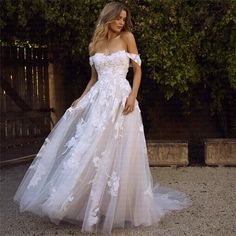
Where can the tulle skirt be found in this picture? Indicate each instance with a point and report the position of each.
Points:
(93, 170)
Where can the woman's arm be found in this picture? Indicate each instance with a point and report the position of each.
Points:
(132, 48)
(91, 82)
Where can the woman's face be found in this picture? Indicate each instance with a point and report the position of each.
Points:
(117, 24)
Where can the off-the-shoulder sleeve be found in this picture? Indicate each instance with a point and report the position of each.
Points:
(91, 61)
(135, 57)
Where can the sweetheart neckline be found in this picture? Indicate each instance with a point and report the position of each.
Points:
(107, 55)
(128, 54)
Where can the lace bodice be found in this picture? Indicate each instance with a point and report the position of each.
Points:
(115, 64)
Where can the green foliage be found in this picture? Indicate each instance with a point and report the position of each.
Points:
(187, 46)
(66, 26)
(169, 46)
(217, 56)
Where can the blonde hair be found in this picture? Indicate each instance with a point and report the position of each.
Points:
(110, 12)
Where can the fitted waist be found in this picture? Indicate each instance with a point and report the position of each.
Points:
(113, 82)
(112, 76)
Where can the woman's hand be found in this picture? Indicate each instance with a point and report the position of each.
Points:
(129, 105)
(75, 102)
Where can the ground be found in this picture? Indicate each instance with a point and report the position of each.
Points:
(213, 213)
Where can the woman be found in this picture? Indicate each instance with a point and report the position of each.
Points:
(93, 166)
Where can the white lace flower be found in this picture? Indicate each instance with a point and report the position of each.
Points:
(70, 198)
(96, 161)
(51, 199)
(141, 128)
(68, 113)
(113, 184)
(40, 171)
(53, 190)
(46, 142)
(119, 127)
(70, 163)
(36, 162)
(67, 202)
(71, 142)
(91, 61)
(93, 217)
(79, 127)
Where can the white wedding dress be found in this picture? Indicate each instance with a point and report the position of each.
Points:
(93, 167)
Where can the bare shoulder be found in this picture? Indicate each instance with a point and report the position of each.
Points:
(127, 36)
(129, 40)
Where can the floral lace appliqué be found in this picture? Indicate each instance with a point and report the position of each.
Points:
(71, 142)
(96, 161)
(141, 128)
(93, 216)
(113, 184)
(119, 127)
(68, 201)
(40, 171)
(39, 155)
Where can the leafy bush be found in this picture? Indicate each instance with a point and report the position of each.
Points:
(187, 47)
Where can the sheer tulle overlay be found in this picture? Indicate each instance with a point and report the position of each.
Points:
(93, 167)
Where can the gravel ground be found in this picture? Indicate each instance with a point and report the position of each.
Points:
(212, 189)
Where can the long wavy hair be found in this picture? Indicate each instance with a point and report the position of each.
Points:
(110, 12)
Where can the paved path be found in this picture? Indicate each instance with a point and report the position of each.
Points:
(213, 213)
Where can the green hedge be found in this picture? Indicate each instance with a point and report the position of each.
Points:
(187, 46)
